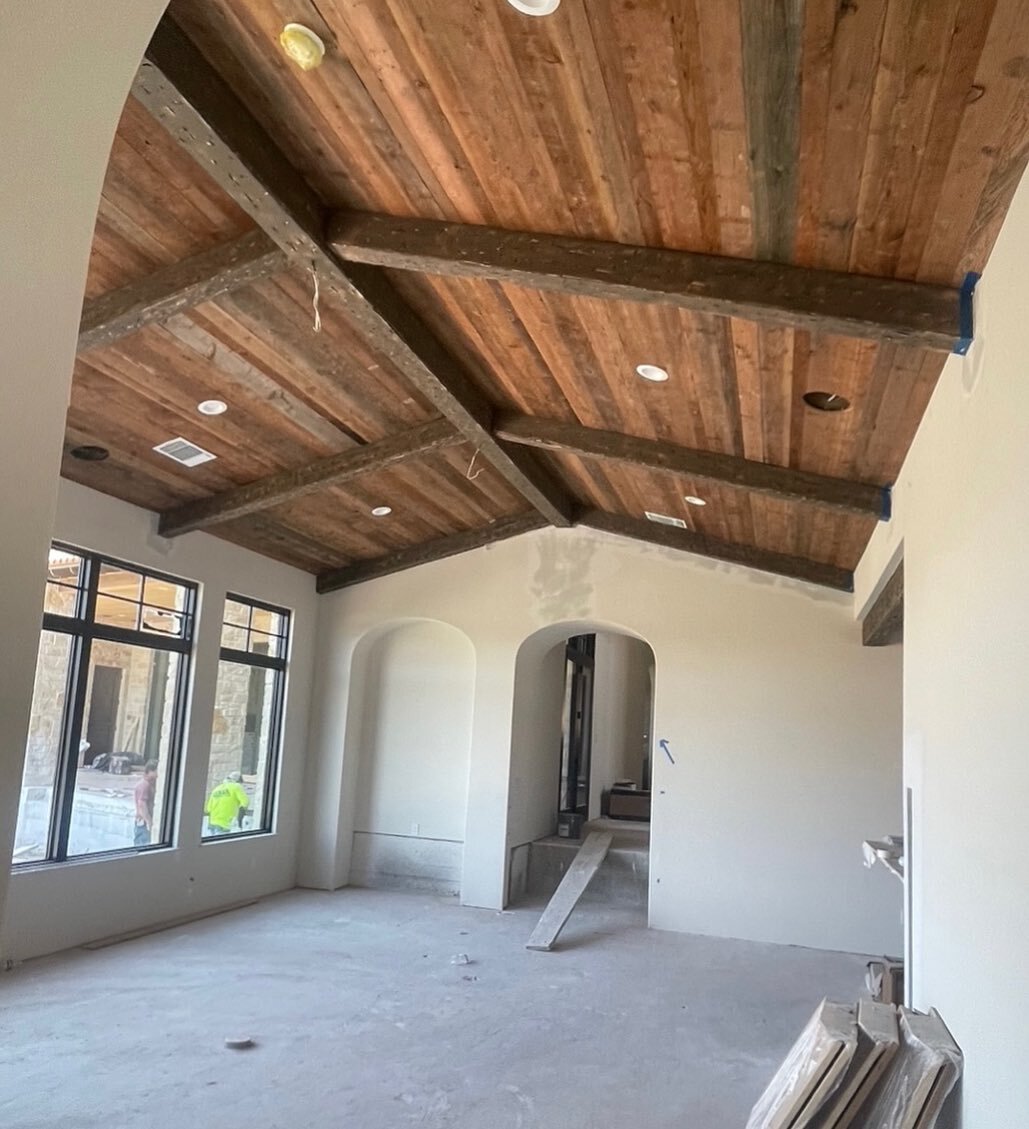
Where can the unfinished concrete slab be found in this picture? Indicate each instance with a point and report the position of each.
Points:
(359, 1018)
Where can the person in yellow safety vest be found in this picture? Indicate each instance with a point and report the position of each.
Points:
(226, 804)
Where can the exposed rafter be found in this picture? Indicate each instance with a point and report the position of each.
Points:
(798, 568)
(883, 309)
(437, 550)
(197, 107)
(883, 624)
(178, 287)
(764, 478)
(293, 484)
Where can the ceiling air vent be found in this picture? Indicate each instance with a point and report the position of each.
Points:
(184, 452)
(664, 519)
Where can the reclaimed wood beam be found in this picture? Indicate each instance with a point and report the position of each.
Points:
(289, 485)
(772, 41)
(684, 540)
(849, 305)
(436, 550)
(883, 624)
(181, 286)
(184, 93)
(763, 478)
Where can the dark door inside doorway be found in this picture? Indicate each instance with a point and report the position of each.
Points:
(577, 725)
(103, 711)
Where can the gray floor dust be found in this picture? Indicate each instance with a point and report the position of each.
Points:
(360, 1019)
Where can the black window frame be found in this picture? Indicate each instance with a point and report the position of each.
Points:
(83, 631)
(280, 665)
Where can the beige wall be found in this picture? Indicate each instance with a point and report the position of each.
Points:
(785, 730)
(962, 526)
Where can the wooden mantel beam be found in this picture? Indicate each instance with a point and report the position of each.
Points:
(781, 564)
(436, 550)
(197, 107)
(290, 485)
(838, 494)
(850, 305)
(178, 287)
(883, 624)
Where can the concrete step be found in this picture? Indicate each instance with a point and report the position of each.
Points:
(621, 880)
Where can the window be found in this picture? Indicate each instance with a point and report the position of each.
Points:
(107, 709)
(247, 719)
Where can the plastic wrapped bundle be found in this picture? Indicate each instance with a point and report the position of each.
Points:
(921, 1076)
(811, 1072)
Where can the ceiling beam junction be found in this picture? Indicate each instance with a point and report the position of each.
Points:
(184, 93)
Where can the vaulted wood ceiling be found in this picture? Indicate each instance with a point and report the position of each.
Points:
(880, 138)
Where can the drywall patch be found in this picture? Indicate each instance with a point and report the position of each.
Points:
(562, 584)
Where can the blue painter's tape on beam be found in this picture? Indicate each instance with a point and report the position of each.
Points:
(885, 503)
(965, 326)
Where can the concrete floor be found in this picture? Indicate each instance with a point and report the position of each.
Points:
(361, 1019)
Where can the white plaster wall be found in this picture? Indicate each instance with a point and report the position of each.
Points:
(56, 907)
(411, 739)
(621, 713)
(58, 112)
(784, 729)
(962, 504)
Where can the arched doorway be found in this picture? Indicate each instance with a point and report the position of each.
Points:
(580, 743)
(409, 731)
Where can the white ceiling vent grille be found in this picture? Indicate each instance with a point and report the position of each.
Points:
(664, 519)
(184, 452)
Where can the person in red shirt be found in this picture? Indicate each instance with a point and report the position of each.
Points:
(146, 789)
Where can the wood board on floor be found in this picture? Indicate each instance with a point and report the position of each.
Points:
(811, 1071)
(878, 1041)
(578, 876)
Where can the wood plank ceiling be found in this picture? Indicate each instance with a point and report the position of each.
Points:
(883, 139)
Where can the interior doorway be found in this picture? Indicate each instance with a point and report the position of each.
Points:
(582, 727)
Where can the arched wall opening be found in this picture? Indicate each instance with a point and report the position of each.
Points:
(620, 733)
(409, 734)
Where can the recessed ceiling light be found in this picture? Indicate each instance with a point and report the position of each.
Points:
(212, 407)
(693, 500)
(826, 401)
(303, 46)
(653, 373)
(89, 453)
(382, 511)
(535, 7)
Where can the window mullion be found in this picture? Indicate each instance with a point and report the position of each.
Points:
(75, 712)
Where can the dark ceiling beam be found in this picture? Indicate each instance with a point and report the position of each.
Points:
(781, 564)
(437, 550)
(196, 106)
(850, 305)
(181, 286)
(883, 624)
(764, 478)
(291, 485)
